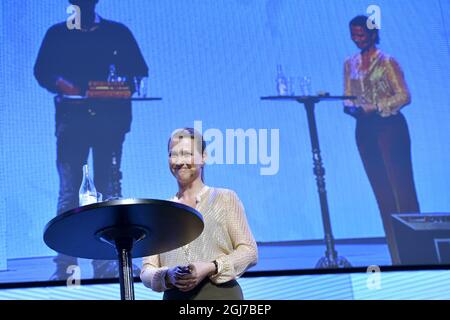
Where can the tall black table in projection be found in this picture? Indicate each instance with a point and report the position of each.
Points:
(331, 258)
(81, 99)
(78, 100)
(122, 229)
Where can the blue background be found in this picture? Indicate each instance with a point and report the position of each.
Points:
(212, 61)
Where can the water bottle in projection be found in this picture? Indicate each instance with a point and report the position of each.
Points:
(88, 193)
(282, 83)
(112, 75)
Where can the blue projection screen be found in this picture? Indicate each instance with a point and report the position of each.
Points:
(211, 62)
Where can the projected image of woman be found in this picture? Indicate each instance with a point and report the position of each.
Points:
(206, 268)
(382, 134)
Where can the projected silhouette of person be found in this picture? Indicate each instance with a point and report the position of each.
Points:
(382, 134)
(68, 59)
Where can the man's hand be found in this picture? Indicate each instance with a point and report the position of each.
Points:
(66, 87)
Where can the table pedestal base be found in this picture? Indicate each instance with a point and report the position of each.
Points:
(335, 263)
(123, 239)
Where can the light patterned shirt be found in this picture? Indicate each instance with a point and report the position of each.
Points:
(382, 84)
(226, 238)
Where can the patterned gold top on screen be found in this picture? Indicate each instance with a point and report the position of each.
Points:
(383, 83)
(226, 238)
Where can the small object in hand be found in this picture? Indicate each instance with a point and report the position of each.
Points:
(183, 270)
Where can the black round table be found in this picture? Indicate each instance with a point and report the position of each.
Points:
(122, 229)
